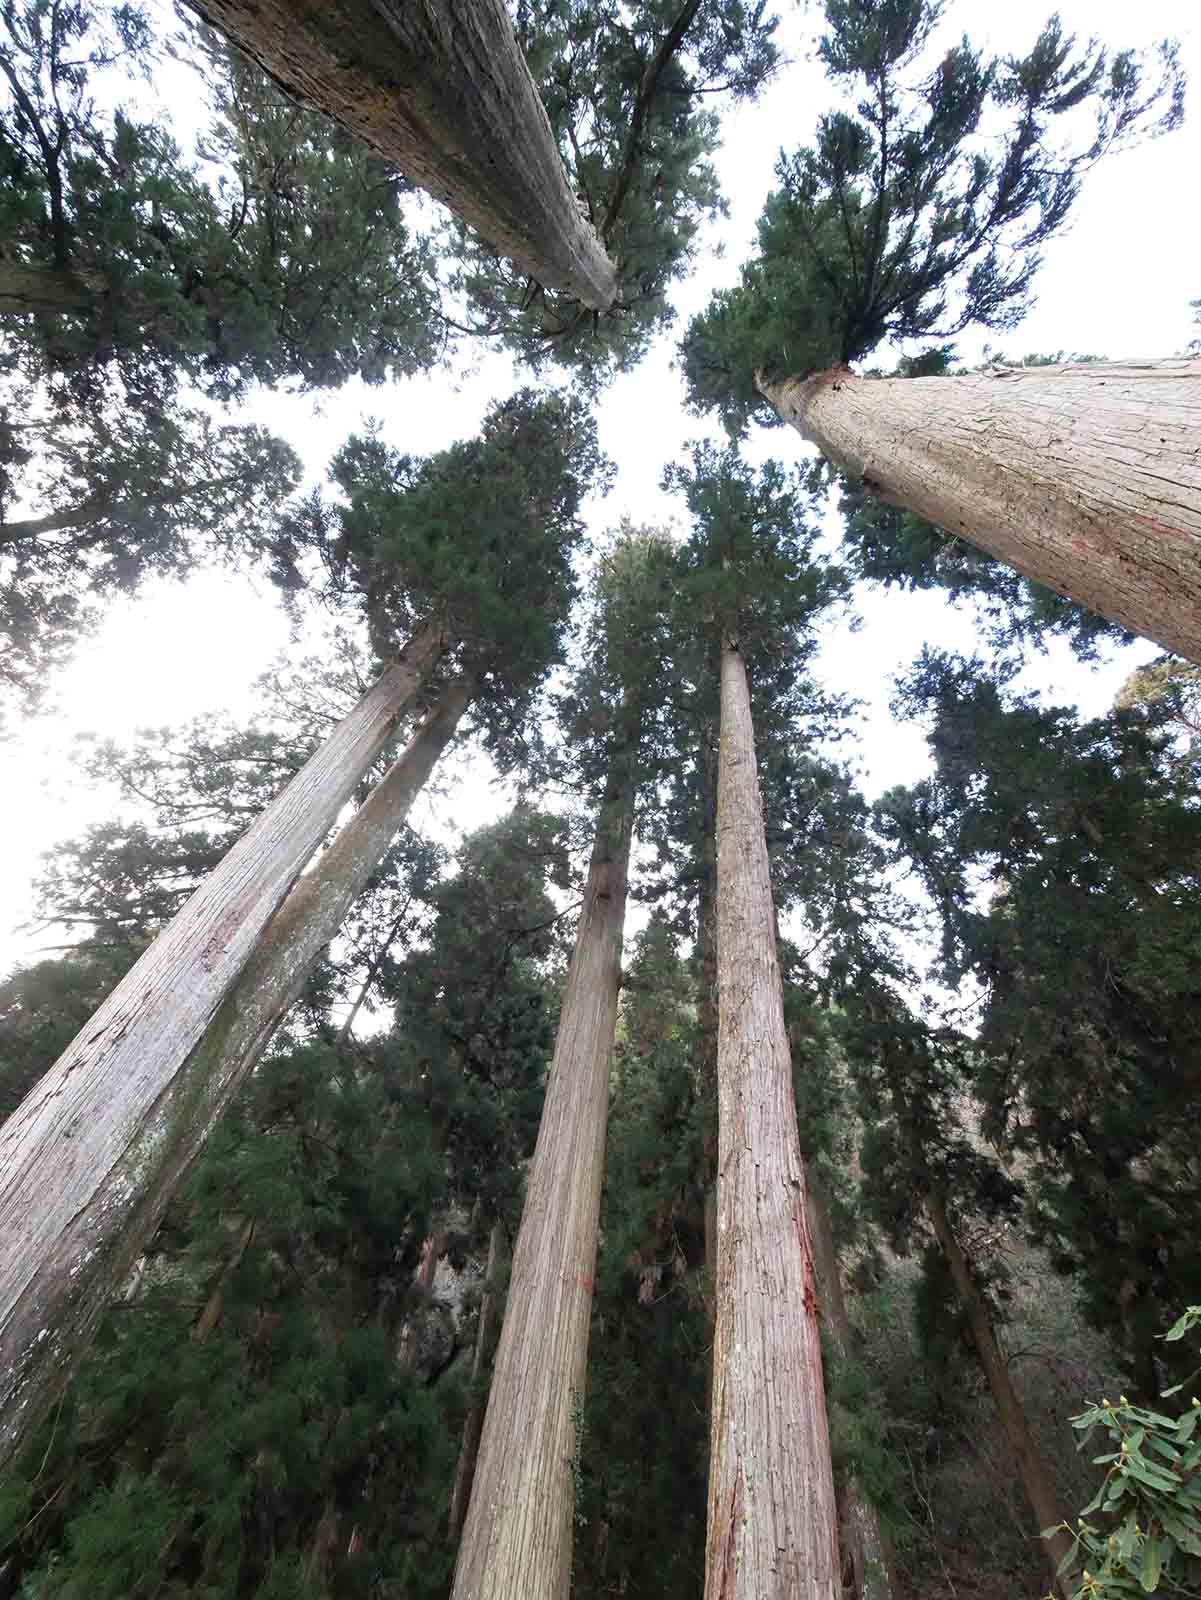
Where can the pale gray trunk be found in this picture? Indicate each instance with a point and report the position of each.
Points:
(91, 1156)
(440, 90)
(517, 1538)
(1085, 478)
(1032, 1470)
(485, 1333)
(772, 1523)
(864, 1539)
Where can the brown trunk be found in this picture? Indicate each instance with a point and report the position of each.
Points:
(90, 1158)
(485, 1334)
(772, 1524)
(1086, 478)
(1036, 1480)
(517, 1541)
(46, 289)
(864, 1539)
(440, 90)
(214, 1306)
(408, 1346)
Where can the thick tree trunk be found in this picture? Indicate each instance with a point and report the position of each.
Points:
(485, 1333)
(772, 1524)
(864, 1539)
(439, 89)
(93, 1153)
(46, 289)
(1086, 478)
(517, 1538)
(1036, 1480)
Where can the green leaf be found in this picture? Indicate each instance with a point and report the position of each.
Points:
(1149, 1572)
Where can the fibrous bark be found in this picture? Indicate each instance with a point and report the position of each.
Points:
(1032, 1470)
(481, 1355)
(864, 1539)
(93, 1153)
(1083, 477)
(517, 1542)
(440, 90)
(772, 1521)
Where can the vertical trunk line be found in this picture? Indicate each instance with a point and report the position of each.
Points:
(517, 1535)
(1036, 1480)
(772, 1520)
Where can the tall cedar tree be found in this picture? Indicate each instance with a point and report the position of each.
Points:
(518, 1531)
(1089, 835)
(508, 505)
(772, 1525)
(906, 221)
(243, 1425)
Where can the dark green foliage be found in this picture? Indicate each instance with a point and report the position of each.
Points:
(481, 536)
(628, 100)
(1088, 837)
(247, 1423)
(285, 257)
(640, 1509)
(120, 496)
(907, 219)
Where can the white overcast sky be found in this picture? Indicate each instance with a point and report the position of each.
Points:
(1117, 283)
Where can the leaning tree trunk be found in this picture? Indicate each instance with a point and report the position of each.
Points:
(517, 1539)
(1036, 1480)
(772, 1523)
(47, 290)
(864, 1538)
(1086, 478)
(93, 1153)
(473, 1425)
(440, 90)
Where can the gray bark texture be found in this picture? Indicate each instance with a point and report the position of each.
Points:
(869, 1548)
(1032, 1470)
(440, 90)
(1083, 477)
(90, 1158)
(517, 1538)
(481, 1355)
(772, 1521)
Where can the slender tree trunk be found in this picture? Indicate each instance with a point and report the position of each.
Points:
(772, 1524)
(864, 1538)
(1036, 1480)
(517, 1538)
(439, 89)
(214, 1306)
(1086, 478)
(90, 1158)
(473, 1426)
(46, 289)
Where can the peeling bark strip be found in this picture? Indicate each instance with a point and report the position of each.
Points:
(1086, 478)
(516, 1541)
(1032, 1469)
(772, 1523)
(440, 90)
(91, 1156)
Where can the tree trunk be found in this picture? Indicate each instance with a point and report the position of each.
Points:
(481, 1355)
(93, 1153)
(1086, 478)
(214, 1306)
(1036, 1480)
(517, 1539)
(46, 289)
(440, 90)
(100, 509)
(864, 1539)
(772, 1523)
